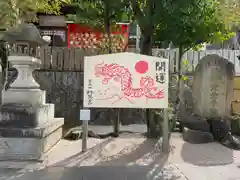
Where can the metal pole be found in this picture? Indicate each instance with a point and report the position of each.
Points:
(138, 31)
(84, 135)
(165, 143)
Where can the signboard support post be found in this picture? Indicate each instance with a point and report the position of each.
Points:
(84, 117)
(165, 144)
(84, 135)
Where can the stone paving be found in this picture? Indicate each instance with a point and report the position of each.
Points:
(130, 156)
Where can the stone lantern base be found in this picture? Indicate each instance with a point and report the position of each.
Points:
(28, 128)
(30, 143)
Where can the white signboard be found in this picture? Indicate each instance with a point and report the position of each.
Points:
(125, 80)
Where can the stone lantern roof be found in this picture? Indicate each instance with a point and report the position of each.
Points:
(24, 33)
(24, 39)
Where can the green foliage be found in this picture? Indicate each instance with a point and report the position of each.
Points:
(231, 12)
(191, 22)
(185, 23)
(95, 13)
(223, 36)
(13, 12)
(197, 47)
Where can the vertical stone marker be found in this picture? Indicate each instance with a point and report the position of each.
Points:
(213, 87)
(207, 108)
(28, 127)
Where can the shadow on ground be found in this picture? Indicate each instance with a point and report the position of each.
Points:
(142, 154)
(141, 162)
(93, 154)
(125, 158)
(210, 154)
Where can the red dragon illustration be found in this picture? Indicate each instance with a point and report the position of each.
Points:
(122, 75)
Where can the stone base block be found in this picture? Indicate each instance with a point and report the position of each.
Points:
(30, 144)
(24, 96)
(25, 116)
(197, 137)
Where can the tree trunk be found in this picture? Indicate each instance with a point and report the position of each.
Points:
(146, 44)
(179, 82)
(179, 70)
(146, 48)
(107, 23)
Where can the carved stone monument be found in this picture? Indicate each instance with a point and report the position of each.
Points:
(207, 108)
(28, 128)
(213, 87)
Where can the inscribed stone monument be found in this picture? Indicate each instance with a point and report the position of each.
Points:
(213, 87)
(207, 107)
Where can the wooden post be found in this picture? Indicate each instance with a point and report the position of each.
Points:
(165, 143)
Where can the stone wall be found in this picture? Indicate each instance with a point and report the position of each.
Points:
(64, 89)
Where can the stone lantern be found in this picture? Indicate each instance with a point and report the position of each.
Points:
(24, 40)
(27, 122)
